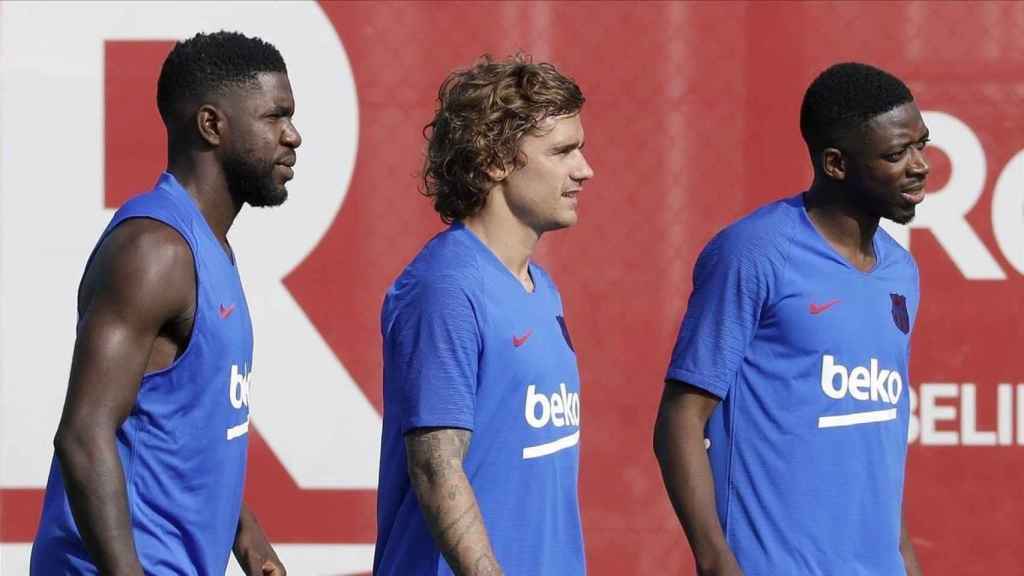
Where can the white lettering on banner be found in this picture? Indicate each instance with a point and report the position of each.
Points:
(561, 409)
(1008, 211)
(944, 213)
(298, 431)
(946, 414)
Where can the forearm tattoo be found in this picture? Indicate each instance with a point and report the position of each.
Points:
(449, 505)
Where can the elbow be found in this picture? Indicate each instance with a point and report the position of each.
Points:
(63, 443)
(76, 446)
(68, 447)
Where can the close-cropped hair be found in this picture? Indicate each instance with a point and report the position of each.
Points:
(483, 113)
(844, 97)
(206, 64)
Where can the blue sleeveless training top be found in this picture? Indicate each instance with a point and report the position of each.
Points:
(183, 447)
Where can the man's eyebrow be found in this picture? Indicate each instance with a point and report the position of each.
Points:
(568, 145)
(909, 140)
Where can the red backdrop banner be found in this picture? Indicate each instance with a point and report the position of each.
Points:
(691, 121)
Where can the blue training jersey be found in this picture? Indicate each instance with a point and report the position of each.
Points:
(809, 356)
(183, 447)
(466, 346)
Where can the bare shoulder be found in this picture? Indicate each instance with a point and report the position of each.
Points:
(141, 264)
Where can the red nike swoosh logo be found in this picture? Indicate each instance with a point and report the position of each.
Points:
(226, 311)
(819, 308)
(518, 341)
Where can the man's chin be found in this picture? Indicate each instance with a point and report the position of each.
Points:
(903, 217)
(277, 198)
(560, 224)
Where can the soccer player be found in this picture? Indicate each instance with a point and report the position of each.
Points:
(782, 430)
(480, 456)
(150, 452)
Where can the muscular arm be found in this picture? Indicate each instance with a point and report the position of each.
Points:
(141, 279)
(449, 505)
(686, 471)
(907, 550)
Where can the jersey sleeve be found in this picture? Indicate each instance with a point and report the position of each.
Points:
(434, 345)
(730, 289)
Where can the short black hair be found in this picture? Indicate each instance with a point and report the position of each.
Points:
(208, 63)
(845, 96)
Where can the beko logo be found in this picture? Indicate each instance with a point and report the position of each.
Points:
(863, 383)
(559, 410)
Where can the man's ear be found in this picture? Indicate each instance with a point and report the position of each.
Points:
(497, 173)
(833, 163)
(210, 123)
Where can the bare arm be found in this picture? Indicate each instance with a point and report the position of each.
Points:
(449, 505)
(907, 550)
(141, 279)
(686, 471)
(252, 547)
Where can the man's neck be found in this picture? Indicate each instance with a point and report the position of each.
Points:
(511, 240)
(843, 224)
(205, 182)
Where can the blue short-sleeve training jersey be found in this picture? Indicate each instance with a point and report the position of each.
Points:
(809, 356)
(466, 346)
(183, 447)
